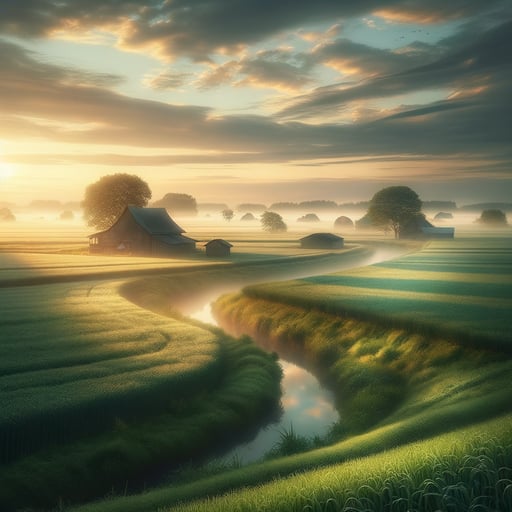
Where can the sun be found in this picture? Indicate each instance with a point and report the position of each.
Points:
(6, 171)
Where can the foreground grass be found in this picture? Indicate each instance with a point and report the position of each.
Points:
(470, 469)
(426, 419)
(98, 395)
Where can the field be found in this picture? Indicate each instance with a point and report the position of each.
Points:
(103, 380)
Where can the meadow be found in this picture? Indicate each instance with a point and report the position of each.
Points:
(114, 386)
(98, 394)
(425, 413)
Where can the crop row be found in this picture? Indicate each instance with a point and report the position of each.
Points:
(461, 288)
(76, 359)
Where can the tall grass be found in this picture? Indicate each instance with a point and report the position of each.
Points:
(467, 470)
(136, 451)
(92, 359)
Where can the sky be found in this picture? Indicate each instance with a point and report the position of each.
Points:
(257, 100)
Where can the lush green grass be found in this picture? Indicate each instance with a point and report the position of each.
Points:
(96, 392)
(138, 451)
(74, 360)
(467, 470)
(417, 431)
(450, 288)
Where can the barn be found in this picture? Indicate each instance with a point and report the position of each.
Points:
(322, 241)
(420, 227)
(218, 248)
(142, 232)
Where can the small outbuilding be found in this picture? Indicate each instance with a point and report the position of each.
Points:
(218, 248)
(419, 227)
(322, 241)
(142, 232)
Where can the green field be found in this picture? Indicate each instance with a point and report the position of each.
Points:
(449, 287)
(416, 350)
(97, 393)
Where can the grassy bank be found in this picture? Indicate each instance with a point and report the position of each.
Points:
(425, 417)
(459, 289)
(100, 396)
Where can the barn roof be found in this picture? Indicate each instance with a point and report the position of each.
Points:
(323, 236)
(154, 220)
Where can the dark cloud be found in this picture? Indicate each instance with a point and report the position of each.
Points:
(366, 61)
(275, 69)
(198, 28)
(484, 62)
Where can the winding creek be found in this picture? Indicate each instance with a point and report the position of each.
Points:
(307, 407)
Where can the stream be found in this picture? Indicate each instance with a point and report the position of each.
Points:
(307, 408)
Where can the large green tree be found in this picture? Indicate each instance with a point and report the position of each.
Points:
(393, 207)
(272, 222)
(106, 199)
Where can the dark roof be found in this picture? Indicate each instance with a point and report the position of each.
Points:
(218, 241)
(323, 236)
(155, 220)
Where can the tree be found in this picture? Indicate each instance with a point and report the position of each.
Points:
(106, 199)
(392, 207)
(272, 222)
(228, 214)
(178, 203)
(494, 217)
(6, 214)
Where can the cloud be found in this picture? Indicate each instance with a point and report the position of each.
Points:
(203, 27)
(166, 80)
(484, 61)
(70, 106)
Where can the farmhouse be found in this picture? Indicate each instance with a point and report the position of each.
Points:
(420, 227)
(218, 248)
(142, 232)
(322, 241)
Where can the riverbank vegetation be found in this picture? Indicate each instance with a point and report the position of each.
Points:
(425, 412)
(101, 396)
(425, 407)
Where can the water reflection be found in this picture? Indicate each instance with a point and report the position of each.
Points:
(307, 407)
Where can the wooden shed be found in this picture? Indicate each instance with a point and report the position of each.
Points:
(142, 232)
(322, 241)
(218, 248)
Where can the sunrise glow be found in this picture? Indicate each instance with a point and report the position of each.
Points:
(225, 101)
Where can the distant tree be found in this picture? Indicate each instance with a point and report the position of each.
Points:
(6, 215)
(343, 222)
(272, 222)
(392, 207)
(493, 217)
(67, 215)
(106, 199)
(178, 203)
(309, 217)
(228, 214)
(284, 205)
(255, 207)
(319, 204)
(248, 216)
